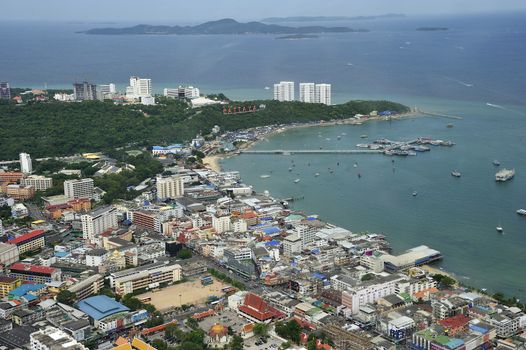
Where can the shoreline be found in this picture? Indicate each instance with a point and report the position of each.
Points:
(213, 161)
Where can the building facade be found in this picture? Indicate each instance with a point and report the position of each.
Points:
(26, 166)
(151, 275)
(139, 87)
(81, 188)
(307, 92)
(323, 94)
(40, 183)
(8, 253)
(84, 91)
(34, 273)
(5, 91)
(28, 242)
(284, 91)
(98, 221)
(169, 187)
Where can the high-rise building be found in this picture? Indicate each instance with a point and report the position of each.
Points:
(188, 92)
(323, 94)
(5, 91)
(284, 91)
(139, 87)
(26, 166)
(84, 91)
(98, 221)
(170, 187)
(81, 188)
(307, 92)
(107, 91)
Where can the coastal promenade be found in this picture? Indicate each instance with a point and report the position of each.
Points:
(313, 151)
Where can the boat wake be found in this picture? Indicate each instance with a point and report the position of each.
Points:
(495, 106)
(461, 82)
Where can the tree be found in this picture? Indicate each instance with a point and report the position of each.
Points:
(184, 254)
(261, 329)
(192, 323)
(367, 277)
(236, 343)
(444, 281)
(290, 330)
(66, 297)
(171, 330)
(159, 344)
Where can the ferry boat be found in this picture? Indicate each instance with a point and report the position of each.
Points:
(455, 173)
(504, 175)
(521, 212)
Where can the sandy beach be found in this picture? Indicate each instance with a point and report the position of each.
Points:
(212, 162)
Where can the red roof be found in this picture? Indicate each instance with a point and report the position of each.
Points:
(28, 236)
(31, 268)
(258, 308)
(454, 321)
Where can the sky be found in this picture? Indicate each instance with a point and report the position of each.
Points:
(174, 11)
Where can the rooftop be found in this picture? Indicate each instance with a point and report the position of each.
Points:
(28, 268)
(26, 237)
(100, 306)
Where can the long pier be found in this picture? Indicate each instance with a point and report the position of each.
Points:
(314, 151)
(432, 114)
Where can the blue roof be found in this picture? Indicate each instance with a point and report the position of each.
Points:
(26, 288)
(100, 306)
(266, 218)
(30, 297)
(61, 254)
(455, 343)
(310, 218)
(478, 329)
(272, 244)
(318, 275)
(161, 148)
(271, 230)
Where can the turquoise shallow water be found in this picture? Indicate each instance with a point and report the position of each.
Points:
(457, 216)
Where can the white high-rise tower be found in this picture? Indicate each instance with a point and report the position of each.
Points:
(284, 91)
(307, 92)
(26, 166)
(323, 94)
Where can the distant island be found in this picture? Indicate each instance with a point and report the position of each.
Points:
(297, 37)
(431, 29)
(223, 26)
(328, 18)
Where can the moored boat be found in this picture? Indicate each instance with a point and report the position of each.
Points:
(521, 212)
(455, 173)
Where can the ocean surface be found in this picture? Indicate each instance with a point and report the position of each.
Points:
(479, 60)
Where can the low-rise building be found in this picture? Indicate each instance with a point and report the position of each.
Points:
(8, 284)
(88, 287)
(29, 242)
(39, 182)
(8, 253)
(151, 275)
(20, 192)
(34, 273)
(51, 338)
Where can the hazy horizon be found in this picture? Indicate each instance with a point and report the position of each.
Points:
(174, 11)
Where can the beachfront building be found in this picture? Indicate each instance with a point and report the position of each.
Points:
(39, 182)
(169, 187)
(323, 94)
(81, 188)
(307, 92)
(139, 88)
(141, 277)
(182, 92)
(26, 166)
(98, 221)
(284, 91)
(84, 91)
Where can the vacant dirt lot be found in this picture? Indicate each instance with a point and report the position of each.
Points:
(185, 293)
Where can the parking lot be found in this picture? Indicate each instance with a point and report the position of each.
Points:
(227, 318)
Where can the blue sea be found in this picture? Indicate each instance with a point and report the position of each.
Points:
(479, 60)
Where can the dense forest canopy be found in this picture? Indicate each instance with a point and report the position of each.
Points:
(58, 129)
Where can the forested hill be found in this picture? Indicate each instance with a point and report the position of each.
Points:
(57, 129)
(222, 26)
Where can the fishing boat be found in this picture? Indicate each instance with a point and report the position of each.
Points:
(290, 169)
(359, 175)
(355, 165)
(339, 137)
(364, 136)
(500, 229)
(449, 125)
(264, 176)
(521, 212)
(296, 181)
(415, 193)
(317, 174)
(496, 162)
(455, 173)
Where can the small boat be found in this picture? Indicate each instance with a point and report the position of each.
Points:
(496, 162)
(500, 229)
(521, 212)
(355, 165)
(317, 174)
(339, 137)
(290, 169)
(364, 136)
(415, 193)
(455, 173)
(267, 88)
(264, 176)
(359, 175)
(296, 181)
(343, 134)
(449, 125)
